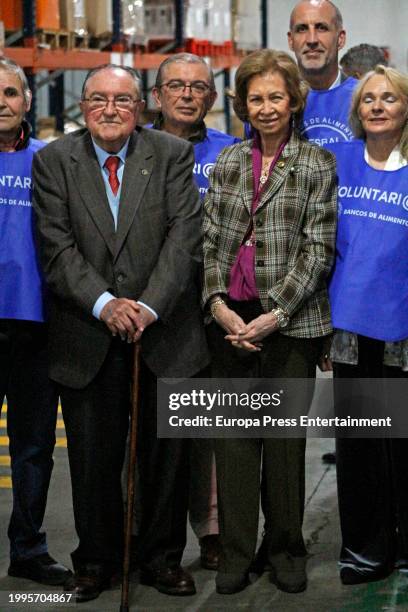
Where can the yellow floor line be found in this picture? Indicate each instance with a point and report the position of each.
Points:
(60, 443)
(5, 482)
(4, 460)
(4, 408)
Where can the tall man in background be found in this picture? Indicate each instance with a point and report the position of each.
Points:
(184, 93)
(119, 223)
(316, 36)
(32, 398)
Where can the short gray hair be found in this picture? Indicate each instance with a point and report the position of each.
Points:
(10, 66)
(362, 58)
(183, 58)
(131, 71)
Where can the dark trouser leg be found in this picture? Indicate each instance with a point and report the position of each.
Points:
(365, 504)
(238, 463)
(399, 462)
(283, 495)
(238, 470)
(238, 504)
(203, 508)
(366, 507)
(283, 477)
(164, 477)
(32, 401)
(96, 421)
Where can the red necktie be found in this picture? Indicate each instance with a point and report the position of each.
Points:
(112, 164)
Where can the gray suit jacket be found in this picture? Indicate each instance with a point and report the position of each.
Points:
(153, 256)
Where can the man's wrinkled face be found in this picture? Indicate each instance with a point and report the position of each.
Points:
(13, 105)
(315, 38)
(111, 107)
(185, 95)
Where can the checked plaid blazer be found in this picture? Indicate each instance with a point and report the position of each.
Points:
(294, 226)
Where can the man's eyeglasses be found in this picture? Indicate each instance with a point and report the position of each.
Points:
(122, 102)
(197, 88)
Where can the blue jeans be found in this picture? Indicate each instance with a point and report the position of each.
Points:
(32, 400)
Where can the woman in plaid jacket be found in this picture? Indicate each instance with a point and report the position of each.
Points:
(269, 233)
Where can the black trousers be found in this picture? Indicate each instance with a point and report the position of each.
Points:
(32, 400)
(372, 479)
(239, 461)
(164, 485)
(96, 420)
(96, 423)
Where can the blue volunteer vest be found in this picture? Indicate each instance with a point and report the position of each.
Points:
(206, 153)
(369, 284)
(21, 284)
(325, 119)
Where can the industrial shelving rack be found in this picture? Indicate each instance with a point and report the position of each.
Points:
(34, 58)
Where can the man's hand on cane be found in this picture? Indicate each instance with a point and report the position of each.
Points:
(126, 318)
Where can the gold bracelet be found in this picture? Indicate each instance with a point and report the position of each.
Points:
(214, 305)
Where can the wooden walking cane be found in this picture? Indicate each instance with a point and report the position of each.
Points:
(124, 606)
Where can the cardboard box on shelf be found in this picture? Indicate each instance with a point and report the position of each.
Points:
(73, 16)
(246, 25)
(99, 17)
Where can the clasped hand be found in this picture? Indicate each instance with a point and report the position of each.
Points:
(245, 336)
(126, 318)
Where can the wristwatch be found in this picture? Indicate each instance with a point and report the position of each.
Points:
(282, 316)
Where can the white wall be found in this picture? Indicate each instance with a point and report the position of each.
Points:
(378, 22)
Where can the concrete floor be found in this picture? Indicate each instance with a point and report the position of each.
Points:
(321, 528)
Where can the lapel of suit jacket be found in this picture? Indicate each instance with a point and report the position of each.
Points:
(284, 165)
(86, 173)
(136, 176)
(246, 183)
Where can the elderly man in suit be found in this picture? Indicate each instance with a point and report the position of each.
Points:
(118, 222)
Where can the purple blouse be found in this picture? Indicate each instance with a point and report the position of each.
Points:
(242, 278)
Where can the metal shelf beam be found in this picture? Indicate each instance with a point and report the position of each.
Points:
(84, 59)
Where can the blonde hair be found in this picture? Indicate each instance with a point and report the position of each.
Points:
(399, 82)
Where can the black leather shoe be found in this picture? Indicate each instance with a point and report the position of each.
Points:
(288, 573)
(42, 568)
(169, 580)
(87, 583)
(351, 576)
(228, 584)
(210, 551)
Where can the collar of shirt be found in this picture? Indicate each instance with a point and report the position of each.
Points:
(103, 155)
(337, 82)
(113, 199)
(394, 162)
